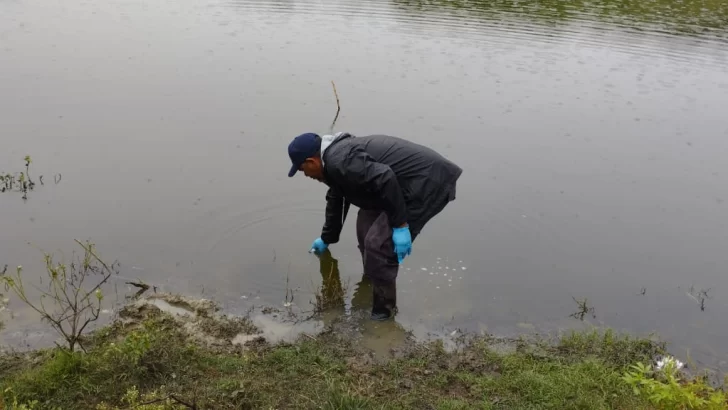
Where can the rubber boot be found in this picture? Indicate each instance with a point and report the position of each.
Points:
(384, 303)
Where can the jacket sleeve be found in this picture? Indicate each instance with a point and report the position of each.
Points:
(377, 181)
(336, 208)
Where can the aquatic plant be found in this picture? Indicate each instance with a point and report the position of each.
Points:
(583, 309)
(21, 181)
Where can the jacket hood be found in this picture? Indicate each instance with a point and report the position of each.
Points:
(327, 140)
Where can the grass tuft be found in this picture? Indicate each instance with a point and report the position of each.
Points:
(616, 350)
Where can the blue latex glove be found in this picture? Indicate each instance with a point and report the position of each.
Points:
(318, 246)
(402, 242)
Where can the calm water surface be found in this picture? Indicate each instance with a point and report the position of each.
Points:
(593, 137)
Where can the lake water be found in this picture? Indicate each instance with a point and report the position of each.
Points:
(591, 134)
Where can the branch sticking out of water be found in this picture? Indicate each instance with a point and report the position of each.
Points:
(700, 296)
(338, 107)
(143, 287)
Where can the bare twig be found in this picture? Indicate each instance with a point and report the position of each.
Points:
(192, 406)
(172, 397)
(338, 107)
(147, 403)
(701, 296)
(143, 287)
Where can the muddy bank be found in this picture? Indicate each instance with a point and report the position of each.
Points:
(202, 322)
(198, 319)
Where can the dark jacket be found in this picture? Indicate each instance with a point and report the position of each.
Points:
(408, 181)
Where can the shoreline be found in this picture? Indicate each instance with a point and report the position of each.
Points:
(172, 352)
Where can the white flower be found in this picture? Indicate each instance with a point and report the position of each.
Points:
(664, 361)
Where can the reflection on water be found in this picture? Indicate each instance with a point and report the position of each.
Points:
(331, 314)
(379, 337)
(593, 134)
(690, 17)
(333, 292)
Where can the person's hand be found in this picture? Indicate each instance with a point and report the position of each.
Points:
(318, 246)
(402, 242)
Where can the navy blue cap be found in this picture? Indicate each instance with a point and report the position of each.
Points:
(302, 147)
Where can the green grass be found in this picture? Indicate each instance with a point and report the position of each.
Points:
(619, 351)
(582, 371)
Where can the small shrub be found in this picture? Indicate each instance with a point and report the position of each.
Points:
(74, 302)
(666, 390)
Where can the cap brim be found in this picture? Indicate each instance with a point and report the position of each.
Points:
(294, 169)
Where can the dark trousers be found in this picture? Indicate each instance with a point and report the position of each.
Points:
(375, 239)
(376, 246)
